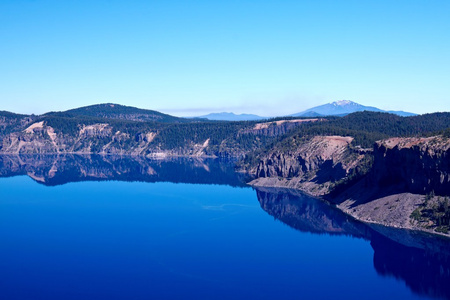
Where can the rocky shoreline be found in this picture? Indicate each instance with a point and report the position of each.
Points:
(393, 211)
(406, 185)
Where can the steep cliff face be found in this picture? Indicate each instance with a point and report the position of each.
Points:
(36, 138)
(400, 189)
(314, 166)
(396, 188)
(102, 138)
(416, 165)
(277, 128)
(310, 156)
(412, 165)
(94, 138)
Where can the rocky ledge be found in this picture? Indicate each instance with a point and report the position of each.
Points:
(316, 165)
(402, 182)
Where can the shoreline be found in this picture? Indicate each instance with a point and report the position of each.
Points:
(155, 156)
(362, 214)
(366, 220)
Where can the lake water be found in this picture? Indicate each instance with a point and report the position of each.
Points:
(122, 228)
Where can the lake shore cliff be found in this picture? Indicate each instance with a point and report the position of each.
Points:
(406, 185)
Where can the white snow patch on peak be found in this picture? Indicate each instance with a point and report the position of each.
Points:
(342, 102)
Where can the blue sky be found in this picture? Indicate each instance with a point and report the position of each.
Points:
(193, 57)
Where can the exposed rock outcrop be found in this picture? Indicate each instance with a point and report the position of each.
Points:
(93, 139)
(277, 128)
(314, 166)
(415, 165)
(405, 176)
(388, 191)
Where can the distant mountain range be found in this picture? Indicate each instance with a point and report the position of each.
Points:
(342, 108)
(228, 116)
(338, 108)
(116, 111)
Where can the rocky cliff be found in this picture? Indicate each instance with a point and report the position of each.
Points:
(408, 185)
(97, 138)
(412, 165)
(314, 165)
(65, 133)
(402, 182)
(277, 128)
(415, 165)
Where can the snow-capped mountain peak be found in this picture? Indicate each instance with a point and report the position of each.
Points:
(343, 102)
(342, 108)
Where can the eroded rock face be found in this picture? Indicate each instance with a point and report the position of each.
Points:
(277, 128)
(403, 171)
(417, 165)
(328, 151)
(95, 130)
(412, 165)
(313, 166)
(98, 138)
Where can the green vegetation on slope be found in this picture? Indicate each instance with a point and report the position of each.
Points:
(434, 213)
(365, 127)
(115, 111)
(174, 133)
(223, 136)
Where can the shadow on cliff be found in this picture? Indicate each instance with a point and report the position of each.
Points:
(366, 189)
(329, 172)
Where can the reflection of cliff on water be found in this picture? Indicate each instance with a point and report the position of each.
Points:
(308, 214)
(421, 260)
(55, 170)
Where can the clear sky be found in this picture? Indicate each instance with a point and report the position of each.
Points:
(193, 57)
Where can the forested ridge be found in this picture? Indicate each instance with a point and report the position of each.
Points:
(174, 133)
(367, 127)
(116, 111)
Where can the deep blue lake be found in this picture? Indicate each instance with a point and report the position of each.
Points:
(93, 228)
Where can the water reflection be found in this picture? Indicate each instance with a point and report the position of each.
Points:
(422, 261)
(54, 170)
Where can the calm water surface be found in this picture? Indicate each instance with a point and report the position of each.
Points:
(151, 239)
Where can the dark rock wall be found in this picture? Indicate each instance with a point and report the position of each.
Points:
(417, 169)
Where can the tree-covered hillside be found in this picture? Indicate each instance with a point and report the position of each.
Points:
(367, 127)
(234, 138)
(11, 122)
(121, 112)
